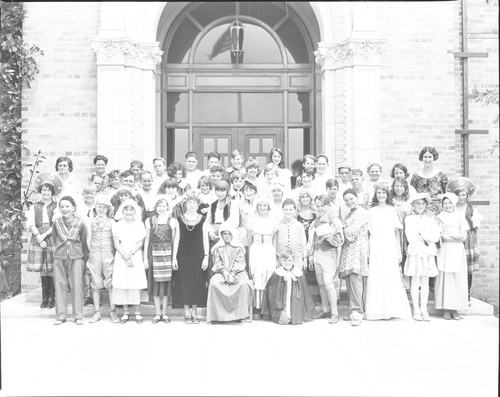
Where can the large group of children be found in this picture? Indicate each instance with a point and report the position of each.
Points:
(243, 242)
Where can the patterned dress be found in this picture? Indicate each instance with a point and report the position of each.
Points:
(159, 258)
(354, 253)
(435, 186)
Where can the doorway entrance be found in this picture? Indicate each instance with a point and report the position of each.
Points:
(267, 100)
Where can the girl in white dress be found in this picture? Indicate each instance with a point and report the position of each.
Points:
(422, 232)
(262, 226)
(451, 283)
(129, 277)
(385, 294)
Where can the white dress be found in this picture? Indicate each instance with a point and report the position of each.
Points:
(129, 281)
(385, 294)
(262, 253)
(450, 289)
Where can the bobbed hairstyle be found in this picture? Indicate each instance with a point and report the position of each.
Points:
(289, 201)
(67, 159)
(402, 167)
(49, 185)
(68, 198)
(280, 152)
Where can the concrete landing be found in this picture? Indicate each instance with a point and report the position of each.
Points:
(378, 358)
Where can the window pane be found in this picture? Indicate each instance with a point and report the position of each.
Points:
(177, 143)
(298, 107)
(208, 145)
(215, 107)
(210, 11)
(263, 10)
(294, 42)
(262, 107)
(181, 42)
(267, 144)
(177, 107)
(258, 46)
(253, 144)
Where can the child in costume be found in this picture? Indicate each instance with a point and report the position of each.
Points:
(287, 298)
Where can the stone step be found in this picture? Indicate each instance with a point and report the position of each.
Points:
(476, 306)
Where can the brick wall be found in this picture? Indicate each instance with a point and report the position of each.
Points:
(59, 111)
(421, 103)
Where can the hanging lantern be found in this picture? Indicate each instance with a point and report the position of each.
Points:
(236, 33)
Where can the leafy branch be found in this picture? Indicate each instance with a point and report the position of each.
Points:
(487, 97)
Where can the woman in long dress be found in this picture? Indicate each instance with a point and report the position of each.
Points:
(129, 277)
(385, 295)
(451, 282)
(189, 282)
(230, 290)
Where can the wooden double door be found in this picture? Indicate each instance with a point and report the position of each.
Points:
(253, 142)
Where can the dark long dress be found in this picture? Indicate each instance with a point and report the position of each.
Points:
(301, 303)
(160, 237)
(189, 287)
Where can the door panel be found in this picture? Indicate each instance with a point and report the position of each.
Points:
(221, 140)
(253, 142)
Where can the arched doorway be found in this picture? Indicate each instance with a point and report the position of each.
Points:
(209, 103)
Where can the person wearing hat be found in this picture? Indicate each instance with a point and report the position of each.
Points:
(160, 252)
(261, 226)
(230, 291)
(451, 282)
(325, 237)
(101, 257)
(129, 278)
(464, 188)
(422, 233)
(39, 220)
(354, 255)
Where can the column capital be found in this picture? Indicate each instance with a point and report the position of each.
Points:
(126, 52)
(349, 52)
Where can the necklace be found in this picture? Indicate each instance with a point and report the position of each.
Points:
(190, 222)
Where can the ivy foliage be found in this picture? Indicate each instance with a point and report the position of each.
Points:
(18, 66)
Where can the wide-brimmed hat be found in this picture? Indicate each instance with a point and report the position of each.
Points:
(461, 182)
(48, 177)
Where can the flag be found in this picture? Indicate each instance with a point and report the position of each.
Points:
(222, 44)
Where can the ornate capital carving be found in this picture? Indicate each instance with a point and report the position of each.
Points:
(349, 52)
(127, 52)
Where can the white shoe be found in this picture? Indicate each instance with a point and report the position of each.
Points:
(96, 317)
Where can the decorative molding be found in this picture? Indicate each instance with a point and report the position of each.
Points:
(124, 51)
(350, 52)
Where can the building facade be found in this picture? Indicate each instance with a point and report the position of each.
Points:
(360, 82)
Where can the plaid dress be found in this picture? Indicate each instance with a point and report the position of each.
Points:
(39, 259)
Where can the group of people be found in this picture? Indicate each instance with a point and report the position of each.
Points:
(242, 242)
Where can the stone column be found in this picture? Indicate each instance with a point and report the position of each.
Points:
(353, 106)
(126, 72)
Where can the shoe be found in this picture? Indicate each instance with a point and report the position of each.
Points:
(417, 317)
(455, 316)
(426, 317)
(59, 321)
(188, 320)
(355, 323)
(165, 318)
(44, 305)
(447, 315)
(196, 320)
(256, 316)
(124, 318)
(347, 317)
(96, 317)
(323, 315)
(79, 321)
(156, 319)
(138, 318)
(51, 304)
(114, 317)
(333, 320)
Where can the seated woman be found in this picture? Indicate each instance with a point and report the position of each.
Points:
(287, 298)
(230, 291)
